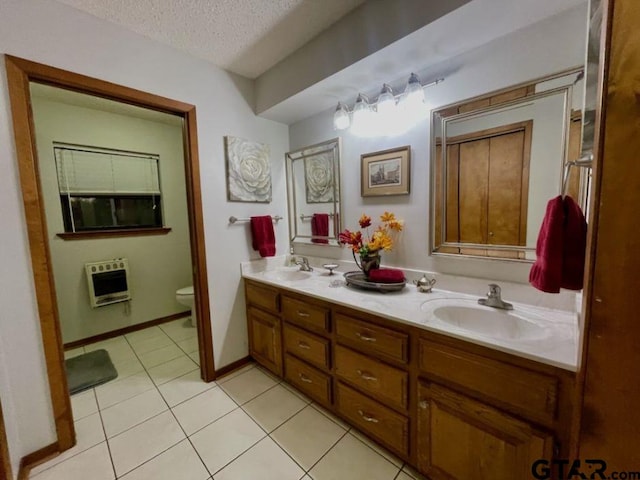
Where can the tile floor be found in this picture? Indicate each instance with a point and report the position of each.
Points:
(159, 421)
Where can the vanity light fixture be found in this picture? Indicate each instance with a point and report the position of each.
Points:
(361, 117)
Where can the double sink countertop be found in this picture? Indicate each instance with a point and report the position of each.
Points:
(537, 333)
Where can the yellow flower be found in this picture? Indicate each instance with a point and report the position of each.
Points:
(387, 217)
(380, 240)
(396, 225)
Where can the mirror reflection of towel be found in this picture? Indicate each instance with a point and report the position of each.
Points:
(264, 239)
(320, 227)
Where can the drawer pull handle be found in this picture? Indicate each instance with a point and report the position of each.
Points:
(365, 338)
(367, 418)
(366, 376)
(304, 345)
(423, 404)
(304, 378)
(303, 314)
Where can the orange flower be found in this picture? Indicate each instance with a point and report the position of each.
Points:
(364, 221)
(381, 239)
(387, 217)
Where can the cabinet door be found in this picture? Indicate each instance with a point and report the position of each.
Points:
(462, 439)
(265, 344)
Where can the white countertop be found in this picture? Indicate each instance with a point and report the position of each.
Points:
(557, 342)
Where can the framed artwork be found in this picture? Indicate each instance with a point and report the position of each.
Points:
(386, 172)
(318, 177)
(248, 170)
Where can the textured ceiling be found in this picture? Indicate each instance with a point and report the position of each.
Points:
(246, 37)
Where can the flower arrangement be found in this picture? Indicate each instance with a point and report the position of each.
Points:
(370, 245)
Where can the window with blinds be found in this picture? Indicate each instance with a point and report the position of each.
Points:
(107, 189)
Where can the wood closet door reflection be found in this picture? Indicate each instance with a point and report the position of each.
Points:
(489, 172)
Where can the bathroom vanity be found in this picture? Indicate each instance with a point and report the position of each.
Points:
(450, 402)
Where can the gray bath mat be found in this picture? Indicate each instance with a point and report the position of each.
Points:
(89, 370)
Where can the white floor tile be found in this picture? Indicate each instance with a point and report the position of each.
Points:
(142, 335)
(331, 416)
(308, 436)
(143, 442)
(178, 463)
(109, 342)
(115, 392)
(226, 438)
(189, 345)
(183, 388)
(203, 409)
(296, 392)
(89, 433)
(403, 476)
(381, 450)
(274, 407)
(73, 352)
(195, 356)
(151, 344)
(411, 473)
(180, 329)
(353, 456)
(127, 368)
(235, 373)
(93, 464)
(248, 385)
(265, 461)
(131, 412)
(83, 404)
(161, 355)
(172, 369)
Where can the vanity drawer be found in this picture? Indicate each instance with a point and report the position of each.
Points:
(387, 426)
(382, 381)
(308, 379)
(530, 393)
(374, 338)
(305, 314)
(264, 297)
(309, 347)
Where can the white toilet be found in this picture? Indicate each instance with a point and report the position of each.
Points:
(184, 296)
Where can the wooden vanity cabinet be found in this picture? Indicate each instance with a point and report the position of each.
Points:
(452, 409)
(264, 326)
(461, 438)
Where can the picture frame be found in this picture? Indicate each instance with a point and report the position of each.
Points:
(387, 172)
(248, 166)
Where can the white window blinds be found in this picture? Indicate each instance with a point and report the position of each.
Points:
(88, 171)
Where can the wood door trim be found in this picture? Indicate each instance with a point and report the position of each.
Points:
(32, 460)
(19, 73)
(6, 472)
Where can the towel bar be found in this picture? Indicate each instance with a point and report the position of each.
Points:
(233, 219)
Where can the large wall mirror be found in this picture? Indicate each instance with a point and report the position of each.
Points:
(498, 160)
(313, 193)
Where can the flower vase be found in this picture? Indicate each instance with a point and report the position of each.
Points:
(368, 262)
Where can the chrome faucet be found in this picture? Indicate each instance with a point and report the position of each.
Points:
(494, 300)
(304, 264)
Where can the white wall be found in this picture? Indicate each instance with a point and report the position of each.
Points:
(544, 48)
(159, 264)
(51, 33)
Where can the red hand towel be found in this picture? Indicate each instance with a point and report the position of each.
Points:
(320, 227)
(574, 245)
(546, 273)
(264, 240)
(386, 275)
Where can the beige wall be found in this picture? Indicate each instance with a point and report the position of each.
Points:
(159, 264)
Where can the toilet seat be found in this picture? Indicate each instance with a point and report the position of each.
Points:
(186, 291)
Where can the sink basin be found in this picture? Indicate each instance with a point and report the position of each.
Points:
(485, 321)
(287, 274)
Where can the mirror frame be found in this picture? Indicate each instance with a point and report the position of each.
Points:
(333, 145)
(443, 114)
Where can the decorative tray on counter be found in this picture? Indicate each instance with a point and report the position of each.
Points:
(359, 280)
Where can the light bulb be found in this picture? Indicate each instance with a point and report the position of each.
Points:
(386, 101)
(414, 93)
(341, 119)
(363, 117)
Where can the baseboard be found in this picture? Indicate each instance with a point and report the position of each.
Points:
(233, 366)
(129, 329)
(36, 458)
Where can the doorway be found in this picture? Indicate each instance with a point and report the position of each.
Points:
(20, 73)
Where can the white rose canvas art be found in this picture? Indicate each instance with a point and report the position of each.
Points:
(248, 170)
